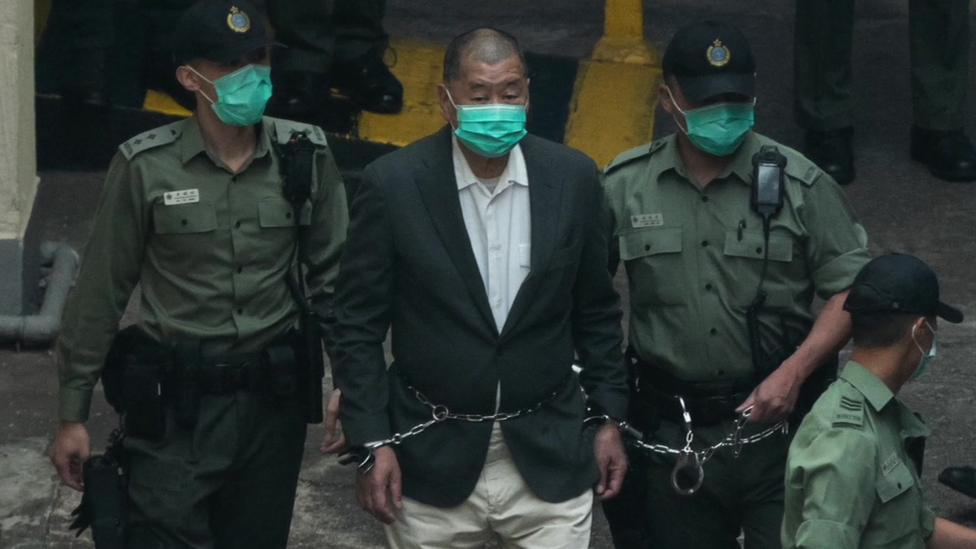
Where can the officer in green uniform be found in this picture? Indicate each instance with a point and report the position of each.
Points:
(852, 478)
(195, 213)
(939, 44)
(697, 256)
(342, 49)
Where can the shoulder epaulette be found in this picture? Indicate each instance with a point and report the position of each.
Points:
(805, 172)
(633, 154)
(849, 413)
(284, 129)
(151, 139)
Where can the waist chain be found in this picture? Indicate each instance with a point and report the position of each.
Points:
(439, 413)
(692, 461)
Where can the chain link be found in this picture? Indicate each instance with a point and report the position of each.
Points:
(440, 413)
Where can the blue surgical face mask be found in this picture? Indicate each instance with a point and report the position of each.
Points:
(718, 129)
(241, 95)
(927, 358)
(490, 130)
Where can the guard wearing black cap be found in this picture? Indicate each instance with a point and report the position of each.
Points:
(722, 274)
(208, 216)
(853, 474)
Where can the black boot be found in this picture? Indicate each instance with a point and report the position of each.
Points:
(949, 155)
(369, 83)
(833, 152)
(298, 95)
(960, 479)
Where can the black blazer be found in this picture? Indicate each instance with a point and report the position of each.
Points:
(408, 264)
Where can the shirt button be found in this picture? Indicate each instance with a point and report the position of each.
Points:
(708, 287)
(647, 247)
(240, 270)
(720, 373)
(233, 178)
(704, 199)
(288, 215)
(759, 251)
(704, 243)
(237, 225)
(713, 331)
(184, 222)
(240, 311)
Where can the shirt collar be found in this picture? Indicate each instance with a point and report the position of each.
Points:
(873, 389)
(515, 172)
(741, 165)
(192, 140)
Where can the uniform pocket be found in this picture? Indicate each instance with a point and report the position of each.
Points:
(654, 265)
(278, 212)
(184, 218)
(895, 483)
(753, 245)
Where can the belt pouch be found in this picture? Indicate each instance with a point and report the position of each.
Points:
(145, 416)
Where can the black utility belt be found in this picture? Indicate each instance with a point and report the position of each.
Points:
(708, 403)
(143, 378)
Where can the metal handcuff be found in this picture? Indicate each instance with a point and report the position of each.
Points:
(693, 461)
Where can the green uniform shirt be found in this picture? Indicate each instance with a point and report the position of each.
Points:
(210, 248)
(850, 482)
(694, 256)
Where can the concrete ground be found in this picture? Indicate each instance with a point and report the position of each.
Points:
(902, 206)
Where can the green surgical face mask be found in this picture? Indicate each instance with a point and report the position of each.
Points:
(718, 129)
(241, 95)
(927, 358)
(490, 130)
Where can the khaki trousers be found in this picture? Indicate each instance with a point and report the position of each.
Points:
(501, 503)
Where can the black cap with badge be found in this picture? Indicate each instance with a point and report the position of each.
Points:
(218, 31)
(711, 58)
(898, 283)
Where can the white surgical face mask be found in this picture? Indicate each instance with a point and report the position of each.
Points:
(927, 358)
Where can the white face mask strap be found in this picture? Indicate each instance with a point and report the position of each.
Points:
(206, 79)
(673, 117)
(917, 344)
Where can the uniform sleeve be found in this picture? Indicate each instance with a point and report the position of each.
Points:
(325, 238)
(613, 259)
(109, 272)
(835, 475)
(838, 244)
(596, 312)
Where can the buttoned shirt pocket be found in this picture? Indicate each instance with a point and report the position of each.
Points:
(184, 218)
(654, 264)
(278, 212)
(898, 481)
(752, 245)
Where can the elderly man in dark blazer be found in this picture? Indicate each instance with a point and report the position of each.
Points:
(484, 249)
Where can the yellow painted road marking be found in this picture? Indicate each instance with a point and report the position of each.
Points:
(420, 67)
(160, 102)
(616, 91)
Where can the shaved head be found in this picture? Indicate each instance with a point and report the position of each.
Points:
(483, 45)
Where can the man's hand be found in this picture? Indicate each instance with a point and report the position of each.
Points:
(774, 399)
(380, 486)
(612, 460)
(71, 449)
(335, 439)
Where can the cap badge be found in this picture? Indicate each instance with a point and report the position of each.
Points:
(238, 21)
(718, 55)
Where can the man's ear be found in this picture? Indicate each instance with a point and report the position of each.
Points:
(187, 78)
(666, 102)
(447, 109)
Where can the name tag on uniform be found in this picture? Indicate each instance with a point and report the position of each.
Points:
(189, 196)
(646, 220)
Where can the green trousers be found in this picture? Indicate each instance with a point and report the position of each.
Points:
(738, 495)
(227, 483)
(314, 37)
(939, 45)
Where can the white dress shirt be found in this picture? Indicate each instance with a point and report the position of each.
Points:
(497, 218)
